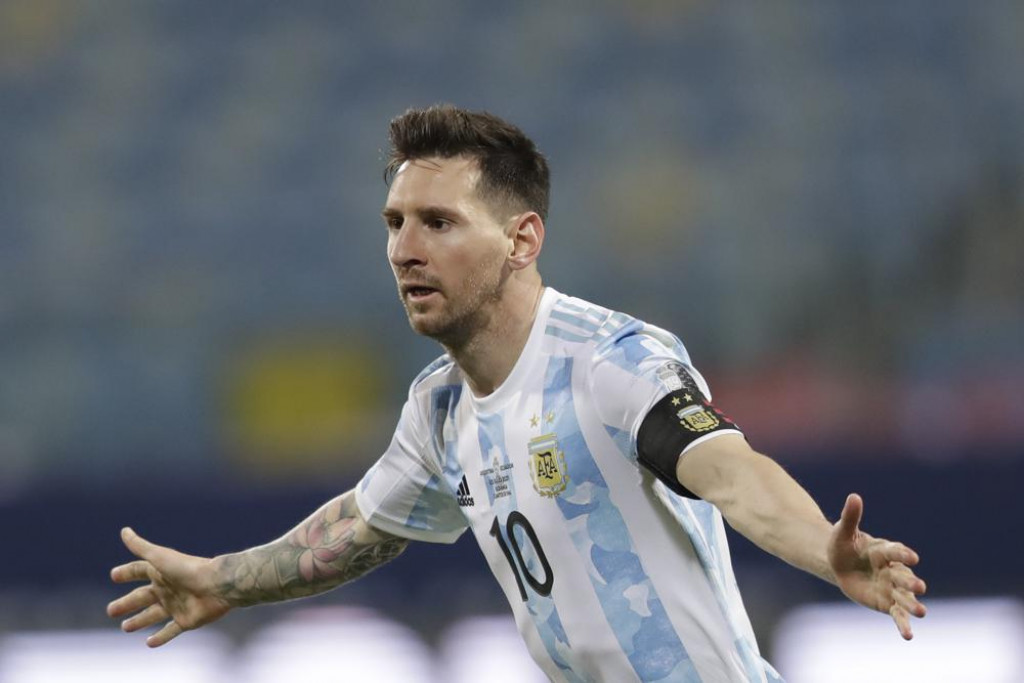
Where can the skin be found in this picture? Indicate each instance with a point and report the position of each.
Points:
(480, 258)
(332, 546)
(475, 262)
(762, 502)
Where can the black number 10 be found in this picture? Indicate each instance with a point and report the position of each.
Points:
(515, 519)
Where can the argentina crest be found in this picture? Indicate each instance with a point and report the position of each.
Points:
(697, 419)
(547, 466)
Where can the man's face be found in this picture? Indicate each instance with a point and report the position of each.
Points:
(446, 249)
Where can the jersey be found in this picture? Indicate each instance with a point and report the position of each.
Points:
(611, 575)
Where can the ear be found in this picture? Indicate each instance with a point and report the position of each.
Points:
(525, 240)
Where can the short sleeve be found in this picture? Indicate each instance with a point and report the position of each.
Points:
(404, 493)
(647, 390)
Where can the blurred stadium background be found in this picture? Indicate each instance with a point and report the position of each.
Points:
(199, 334)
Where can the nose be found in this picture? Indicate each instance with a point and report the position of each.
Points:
(405, 248)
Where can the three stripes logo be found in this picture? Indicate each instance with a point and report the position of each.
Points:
(462, 495)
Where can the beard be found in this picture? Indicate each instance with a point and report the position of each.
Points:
(458, 317)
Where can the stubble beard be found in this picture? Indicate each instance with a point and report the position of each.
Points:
(458, 324)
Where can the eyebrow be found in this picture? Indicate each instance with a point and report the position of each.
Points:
(424, 211)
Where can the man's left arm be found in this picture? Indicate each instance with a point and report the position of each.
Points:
(762, 502)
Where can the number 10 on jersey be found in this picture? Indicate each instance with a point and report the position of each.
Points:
(519, 568)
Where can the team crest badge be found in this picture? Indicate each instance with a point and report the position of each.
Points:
(547, 466)
(697, 419)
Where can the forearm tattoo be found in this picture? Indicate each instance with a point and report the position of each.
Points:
(328, 549)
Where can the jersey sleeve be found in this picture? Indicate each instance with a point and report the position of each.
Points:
(647, 390)
(404, 493)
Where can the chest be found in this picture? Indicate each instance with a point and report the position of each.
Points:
(510, 460)
(531, 455)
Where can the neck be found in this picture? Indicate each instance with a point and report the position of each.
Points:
(487, 358)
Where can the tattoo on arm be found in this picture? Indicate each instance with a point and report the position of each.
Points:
(331, 547)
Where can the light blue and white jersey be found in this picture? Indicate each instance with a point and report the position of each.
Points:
(611, 576)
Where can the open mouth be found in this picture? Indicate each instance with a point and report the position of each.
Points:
(418, 293)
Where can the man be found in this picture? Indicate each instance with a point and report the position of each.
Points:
(579, 445)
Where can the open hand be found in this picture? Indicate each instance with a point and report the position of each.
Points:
(873, 571)
(181, 590)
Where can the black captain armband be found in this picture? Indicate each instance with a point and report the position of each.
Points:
(675, 422)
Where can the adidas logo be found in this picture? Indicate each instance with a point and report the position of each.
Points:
(462, 495)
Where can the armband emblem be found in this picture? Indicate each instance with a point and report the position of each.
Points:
(679, 419)
(697, 419)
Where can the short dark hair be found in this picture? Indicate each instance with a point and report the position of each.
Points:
(512, 169)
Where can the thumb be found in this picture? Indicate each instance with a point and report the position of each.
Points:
(849, 520)
(139, 546)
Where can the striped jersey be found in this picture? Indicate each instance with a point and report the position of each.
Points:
(611, 576)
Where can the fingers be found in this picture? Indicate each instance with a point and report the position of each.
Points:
(902, 620)
(905, 604)
(891, 551)
(903, 578)
(170, 631)
(144, 598)
(849, 520)
(133, 571)
(153, 614)
(908, 602)
(906, 588)
(140, 598)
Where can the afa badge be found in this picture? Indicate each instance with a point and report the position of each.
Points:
(697, 419)
(547, 466)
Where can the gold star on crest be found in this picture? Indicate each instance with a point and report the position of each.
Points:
(551, 417)
(676, 401)
(534, 421)
(688, 398)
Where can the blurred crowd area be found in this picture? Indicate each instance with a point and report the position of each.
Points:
(824, 200)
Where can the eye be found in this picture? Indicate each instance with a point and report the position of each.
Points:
(438, 224)
(393, 222)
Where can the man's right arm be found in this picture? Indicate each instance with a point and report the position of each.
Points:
(330, 547)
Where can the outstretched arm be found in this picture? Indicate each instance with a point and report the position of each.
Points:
(766, 505)
(332, 546)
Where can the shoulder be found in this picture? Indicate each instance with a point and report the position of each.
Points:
(640, 344)
(606, 335)
(580, 327)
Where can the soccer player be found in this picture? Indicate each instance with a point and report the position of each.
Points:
(579, 445)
